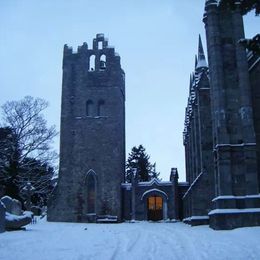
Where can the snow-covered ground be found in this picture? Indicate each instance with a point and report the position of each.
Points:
(143, 240)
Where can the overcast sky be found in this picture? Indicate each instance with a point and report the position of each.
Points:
(157, 41)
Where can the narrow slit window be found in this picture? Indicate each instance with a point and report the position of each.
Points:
(89, 108)
(91, 193)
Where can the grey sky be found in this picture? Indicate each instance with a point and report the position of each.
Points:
(157, 41)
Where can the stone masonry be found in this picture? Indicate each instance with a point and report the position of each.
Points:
(237, 200)
(92, 135)
(226, 192)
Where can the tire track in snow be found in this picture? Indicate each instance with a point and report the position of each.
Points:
(125, 244)
(182, 245)
(168, 239)
(139, 243)
(132, 243)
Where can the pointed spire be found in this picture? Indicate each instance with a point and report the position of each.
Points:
(200, 50)
(201, 56)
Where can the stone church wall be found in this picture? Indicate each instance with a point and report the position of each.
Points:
(92, 136)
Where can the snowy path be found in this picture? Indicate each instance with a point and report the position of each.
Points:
(143, 240)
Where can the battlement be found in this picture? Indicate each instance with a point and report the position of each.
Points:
(99, 43)
(99, 58)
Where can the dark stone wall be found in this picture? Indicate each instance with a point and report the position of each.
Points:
(234, 139)
(182, 189)
(222, 128)
(233, 131)
(90, 140)
(127, 202)
(254, 74)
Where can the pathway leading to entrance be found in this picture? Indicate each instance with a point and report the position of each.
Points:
(142, 240)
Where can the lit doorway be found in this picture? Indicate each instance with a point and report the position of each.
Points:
(154, 208)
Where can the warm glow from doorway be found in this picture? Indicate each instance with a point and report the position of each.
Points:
(155, 203)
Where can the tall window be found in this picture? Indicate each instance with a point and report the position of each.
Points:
(89, 108)
(91, 193)
(92, 65)
(101, 104)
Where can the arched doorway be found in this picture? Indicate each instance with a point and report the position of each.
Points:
(155, 208)
(155, 204)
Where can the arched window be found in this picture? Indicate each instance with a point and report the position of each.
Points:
(92, 65)
(101, 104)
(89, 108)
(102, 62)
(91, 193)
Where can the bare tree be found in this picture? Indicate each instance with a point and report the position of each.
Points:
(30, 139)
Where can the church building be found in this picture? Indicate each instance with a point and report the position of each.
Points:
(221, 137)
(91, 185)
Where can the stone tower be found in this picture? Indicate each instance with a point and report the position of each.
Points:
(237, 200)
(92, 135)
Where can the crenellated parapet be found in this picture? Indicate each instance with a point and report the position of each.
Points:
(101, 57)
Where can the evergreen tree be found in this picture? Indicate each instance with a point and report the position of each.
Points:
(154, 173)
(138, 159)
(9, 165)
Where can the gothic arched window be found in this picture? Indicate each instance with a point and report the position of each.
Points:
(89, 108)
(100, 110)
(91, 193)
